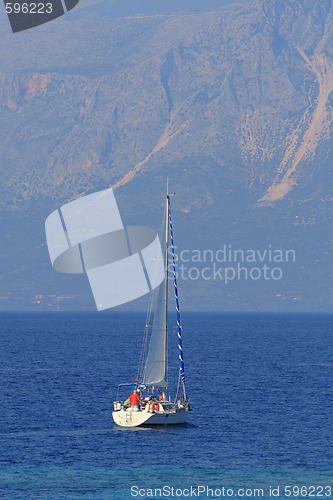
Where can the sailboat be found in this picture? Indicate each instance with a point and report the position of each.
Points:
(154, 405)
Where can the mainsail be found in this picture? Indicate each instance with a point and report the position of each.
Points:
(155, 372)
(156, 366)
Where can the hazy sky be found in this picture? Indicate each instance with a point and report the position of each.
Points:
(124, 7)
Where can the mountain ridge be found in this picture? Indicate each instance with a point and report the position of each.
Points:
(241, 87)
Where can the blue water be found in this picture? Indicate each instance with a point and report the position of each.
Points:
(260, 387)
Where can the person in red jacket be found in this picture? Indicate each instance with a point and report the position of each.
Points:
(134, 399)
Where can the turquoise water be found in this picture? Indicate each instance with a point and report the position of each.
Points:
(116, 482)
(260, 387)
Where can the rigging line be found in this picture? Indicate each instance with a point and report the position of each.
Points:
(145, 337)
(144, 340)
(178, 386)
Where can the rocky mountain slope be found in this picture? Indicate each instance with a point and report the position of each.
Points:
(235, 105)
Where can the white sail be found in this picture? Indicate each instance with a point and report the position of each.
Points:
(156, 363)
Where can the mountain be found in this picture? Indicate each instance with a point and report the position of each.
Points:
(233, 104)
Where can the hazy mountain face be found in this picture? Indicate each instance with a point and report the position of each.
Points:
(235, 105)
(119, 8)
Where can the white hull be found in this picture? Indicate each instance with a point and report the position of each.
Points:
(132, 418)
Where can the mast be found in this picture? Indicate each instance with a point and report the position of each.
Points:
(166, 262)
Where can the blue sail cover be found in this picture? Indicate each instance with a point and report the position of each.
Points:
(179, 325)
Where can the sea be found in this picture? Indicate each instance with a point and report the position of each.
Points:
(260, 389)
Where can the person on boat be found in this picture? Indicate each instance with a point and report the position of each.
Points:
(127, 403)
(134, 399)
